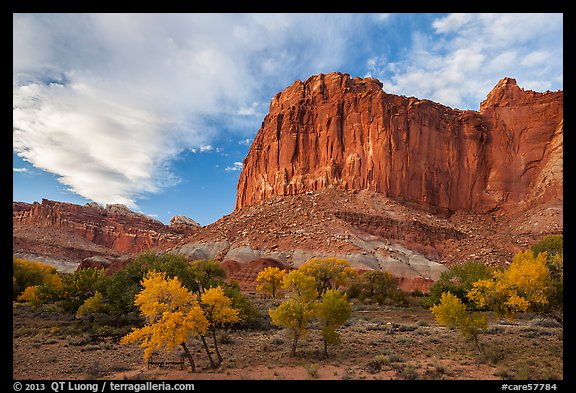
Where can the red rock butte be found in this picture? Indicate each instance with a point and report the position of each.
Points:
(114, 226)
(333, 131)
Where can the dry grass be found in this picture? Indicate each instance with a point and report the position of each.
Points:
(57, 347)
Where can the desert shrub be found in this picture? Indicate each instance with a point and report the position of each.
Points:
(552, 244)
(440, 369)
(494, 330)
(395, 358)
(493, 354)
(458, 281)
(408, 373)
(407, 328)
(523, 372)
(377, 364)
(224, 337)
(502, 373)
(312, 370)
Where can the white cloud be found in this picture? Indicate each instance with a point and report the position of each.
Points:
(451, 22)
(245, 142)
(466, 54)
(382, 17)
(20, 170)
(202, 149)
(106, 101)
(237, 166)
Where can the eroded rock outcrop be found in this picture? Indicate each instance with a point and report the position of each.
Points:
(114, 227)
(183, 223)
(347, 133)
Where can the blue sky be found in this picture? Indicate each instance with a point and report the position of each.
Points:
(157, 111)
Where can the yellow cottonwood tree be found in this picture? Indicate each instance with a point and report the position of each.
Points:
(329, 273)
(271, 279)
(218, 311)
(452, 313)
(523, 286)
(297, 312)
(172, 316)
(332, 311)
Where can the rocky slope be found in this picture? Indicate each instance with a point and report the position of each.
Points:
(73, 232)
(371, 231)
(337, 131)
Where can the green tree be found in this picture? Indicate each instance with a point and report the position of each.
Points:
(122, 286)
(332, 311)
(78, 286)
(552, 244)
(452, 313)
(91, 305)
(207, 274)
(247, 311)
(375, 285)
(459, 281)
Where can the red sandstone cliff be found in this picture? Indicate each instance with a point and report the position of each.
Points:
(114, 226)
(347, 133)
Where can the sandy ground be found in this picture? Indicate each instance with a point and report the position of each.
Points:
(48, 348)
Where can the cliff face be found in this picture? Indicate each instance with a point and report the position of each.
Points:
(114, 226)
(334, 131)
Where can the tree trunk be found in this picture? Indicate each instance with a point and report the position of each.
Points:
(294, 345)
(475, 337)
(212, 364)
(325, 348)
(216, 346)
(189, 356)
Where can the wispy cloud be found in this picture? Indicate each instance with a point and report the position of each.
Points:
(106, 101)
(202, 149)
(245, 142)
(237, 166)
(465, 55)
(20, 170)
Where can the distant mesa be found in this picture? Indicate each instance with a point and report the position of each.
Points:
(76, 232)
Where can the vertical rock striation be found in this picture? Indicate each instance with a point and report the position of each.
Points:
(347, 133)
